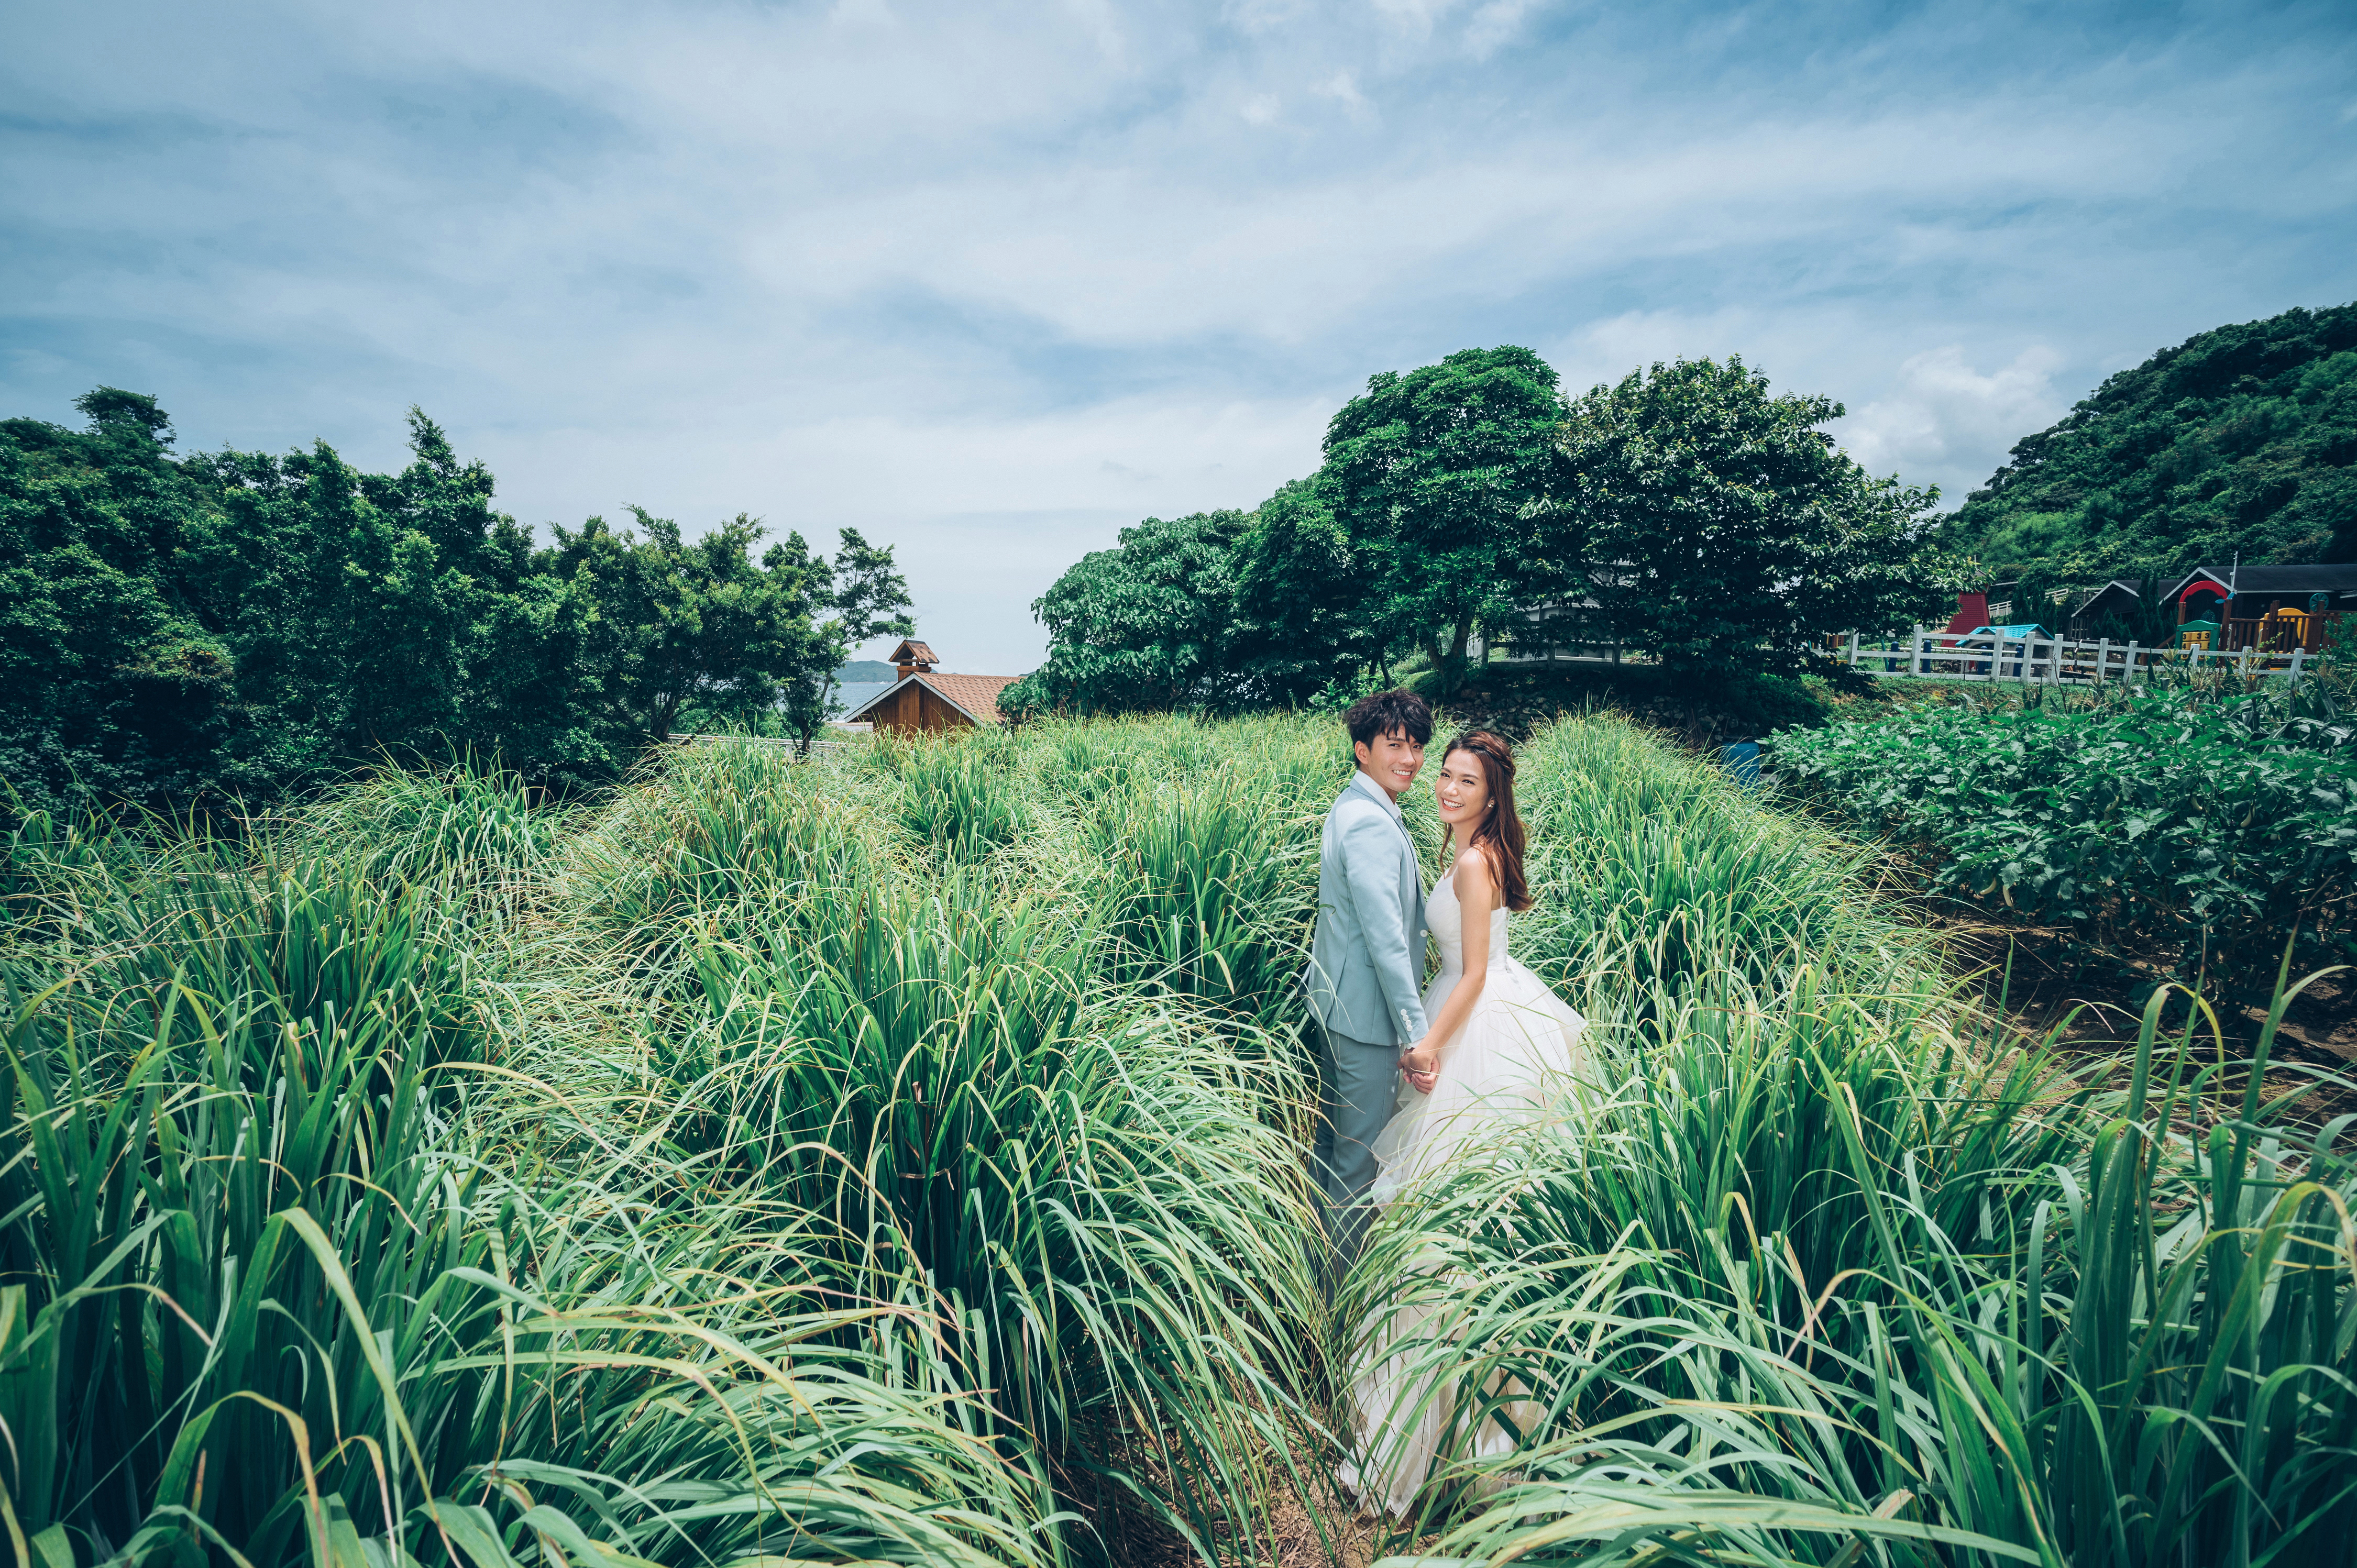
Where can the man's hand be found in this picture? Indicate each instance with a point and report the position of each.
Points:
(1421, 1063)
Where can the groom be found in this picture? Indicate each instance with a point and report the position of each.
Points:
(1366, 964)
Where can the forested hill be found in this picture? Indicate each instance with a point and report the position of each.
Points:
(2240, 439)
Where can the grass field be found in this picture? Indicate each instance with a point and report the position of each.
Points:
(896, 1157)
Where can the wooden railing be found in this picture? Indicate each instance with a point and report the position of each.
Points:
(2275, 634)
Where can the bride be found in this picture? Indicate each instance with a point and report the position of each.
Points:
(1501, 1045)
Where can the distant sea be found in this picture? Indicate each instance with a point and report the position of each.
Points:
(851, 693)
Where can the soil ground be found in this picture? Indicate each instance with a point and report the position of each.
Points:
(2045, 982)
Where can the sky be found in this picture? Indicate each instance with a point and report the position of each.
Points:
(991, 283)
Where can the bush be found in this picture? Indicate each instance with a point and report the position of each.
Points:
(1808, 1277)
(1519, 702)
(2168, 820)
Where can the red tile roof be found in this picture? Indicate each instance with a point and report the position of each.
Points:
(974, 695)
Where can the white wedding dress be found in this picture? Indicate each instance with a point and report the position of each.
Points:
(1516, 1056)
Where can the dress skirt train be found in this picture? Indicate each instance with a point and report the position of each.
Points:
(1518, 1055)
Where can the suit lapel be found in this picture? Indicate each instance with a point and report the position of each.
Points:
(1368, 786)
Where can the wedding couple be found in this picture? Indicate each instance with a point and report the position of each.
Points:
(1413, 1074)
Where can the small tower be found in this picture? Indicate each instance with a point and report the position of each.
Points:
(912, 659)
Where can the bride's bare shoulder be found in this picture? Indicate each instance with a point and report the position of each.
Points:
(1473, 873)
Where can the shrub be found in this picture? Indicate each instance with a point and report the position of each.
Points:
(2166, 820)
(1798, 1280)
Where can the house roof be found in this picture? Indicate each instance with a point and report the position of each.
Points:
(2318, 579)
(913, 652)
(2122, 583)
(975, 696)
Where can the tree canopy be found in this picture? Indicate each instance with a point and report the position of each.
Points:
(2243, 439)
(174, 629)
(868, 598)
(1149, 624)
(1715, 523)
(1301, 590)
(1436, 477)
(1717, 528)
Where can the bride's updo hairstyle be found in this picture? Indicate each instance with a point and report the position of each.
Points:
(1499, 834)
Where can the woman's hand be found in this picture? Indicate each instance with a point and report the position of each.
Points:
(1421, 1064)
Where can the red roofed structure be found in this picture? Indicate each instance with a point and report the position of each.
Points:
(924, 701)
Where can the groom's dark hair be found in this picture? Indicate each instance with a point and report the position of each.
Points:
(1389, 713)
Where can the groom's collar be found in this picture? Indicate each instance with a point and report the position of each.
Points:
(1364, 781)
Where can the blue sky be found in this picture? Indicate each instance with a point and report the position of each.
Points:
(991, 283)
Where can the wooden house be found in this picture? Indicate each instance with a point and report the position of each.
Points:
(2272, 608)
(2118, 600)
(922, 700)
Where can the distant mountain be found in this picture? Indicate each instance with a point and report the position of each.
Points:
(2240, 439)
(864, 672)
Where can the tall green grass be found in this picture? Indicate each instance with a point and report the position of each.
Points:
(1820, 1273)
(895, 1157)
(2102, 1350)
(1202, 894)
(1060, 1160)
(266, 1290)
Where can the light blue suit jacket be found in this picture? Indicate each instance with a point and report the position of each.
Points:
(1366, 963)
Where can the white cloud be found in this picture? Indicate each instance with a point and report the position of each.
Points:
(1417, 17)
(1494, 24)
(1946, 421)
(991, 282)
(1342, 86)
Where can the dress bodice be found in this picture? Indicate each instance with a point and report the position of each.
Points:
(1446, 916)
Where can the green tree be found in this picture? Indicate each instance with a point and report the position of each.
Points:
(689, 621)
(359, 603)
(1439, 478)
(1722, 531)
(175, 631)
(1148, 625)
(867, 597)
(1303, 605)
(113, 684)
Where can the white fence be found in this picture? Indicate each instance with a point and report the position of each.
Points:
(2047, 661)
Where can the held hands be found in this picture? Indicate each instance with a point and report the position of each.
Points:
(1421, 1063)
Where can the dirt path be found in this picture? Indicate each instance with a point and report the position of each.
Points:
(2047, 983)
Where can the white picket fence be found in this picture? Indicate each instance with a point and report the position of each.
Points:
(2047, 661)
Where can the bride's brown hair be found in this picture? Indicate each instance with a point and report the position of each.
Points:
(1499, 834)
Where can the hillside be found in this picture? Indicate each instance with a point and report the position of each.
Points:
(2239, 438)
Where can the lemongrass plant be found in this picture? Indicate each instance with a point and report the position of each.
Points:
(1796, 1290)
(1088, 1188)
(266, 1295)
(895, 1157)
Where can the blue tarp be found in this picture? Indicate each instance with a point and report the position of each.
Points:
(2014, 633)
